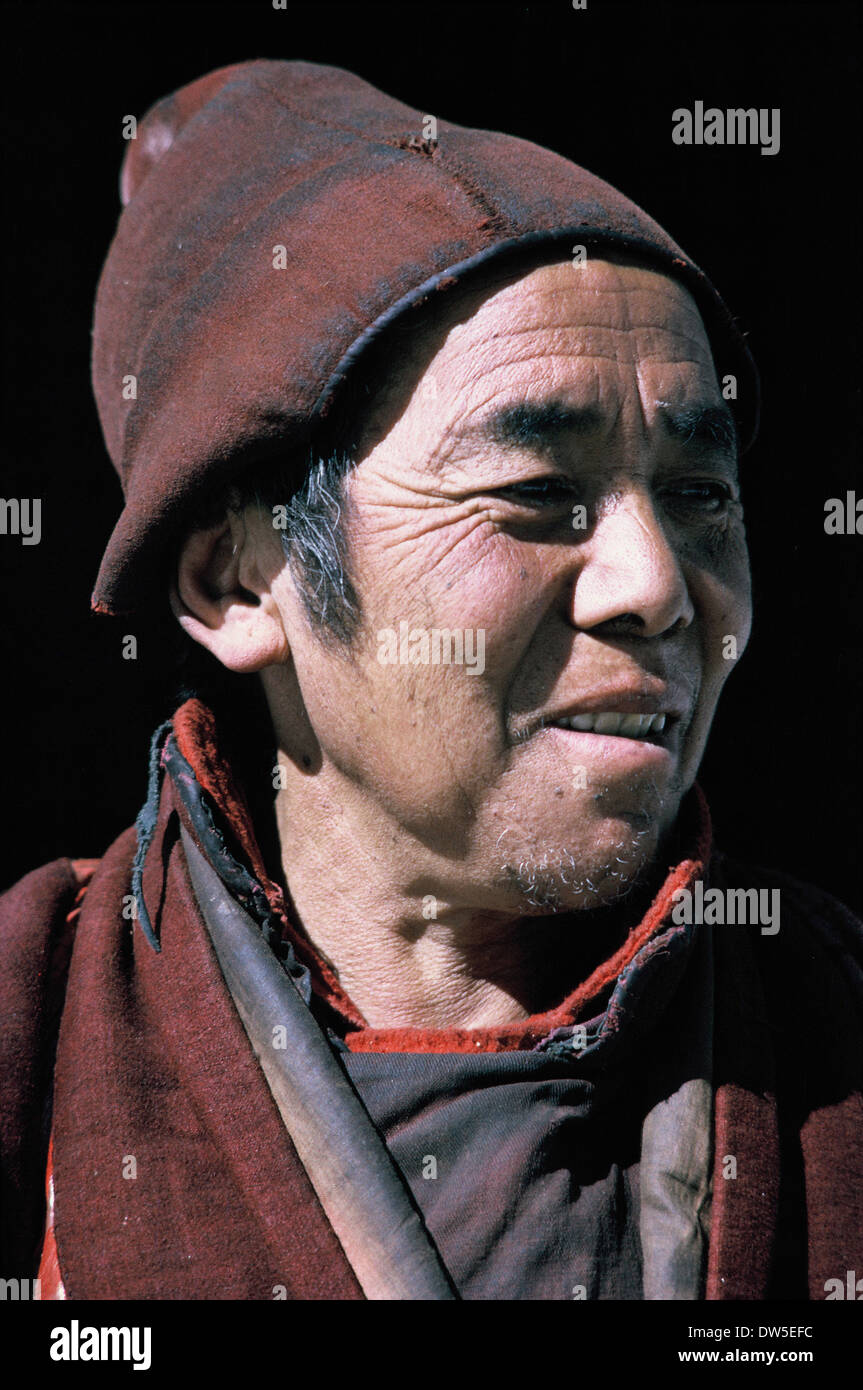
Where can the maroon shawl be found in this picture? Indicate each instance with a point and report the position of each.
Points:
(153, 1065)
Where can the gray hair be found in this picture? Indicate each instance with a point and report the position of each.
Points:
(315, 540)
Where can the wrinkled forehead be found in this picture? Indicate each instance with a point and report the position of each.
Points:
(617, 293)
(600, 337)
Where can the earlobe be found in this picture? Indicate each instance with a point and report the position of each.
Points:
(222, 600)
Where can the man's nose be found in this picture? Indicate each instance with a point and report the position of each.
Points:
(630, 570)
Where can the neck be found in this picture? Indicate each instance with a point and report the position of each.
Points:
(411, 956)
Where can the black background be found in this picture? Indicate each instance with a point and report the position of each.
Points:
(780, 236)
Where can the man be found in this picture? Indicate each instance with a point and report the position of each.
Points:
(426, 980)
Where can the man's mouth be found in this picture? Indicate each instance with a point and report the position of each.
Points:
(610, 722)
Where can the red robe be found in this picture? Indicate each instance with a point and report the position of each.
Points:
(152, 1064)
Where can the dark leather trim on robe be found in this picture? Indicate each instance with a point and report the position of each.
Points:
(153, 1065)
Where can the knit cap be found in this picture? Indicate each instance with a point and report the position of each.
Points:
(278, 217)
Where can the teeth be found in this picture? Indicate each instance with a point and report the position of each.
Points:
(607, 723)
(626, 725)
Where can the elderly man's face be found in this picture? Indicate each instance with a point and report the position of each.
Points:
(560, 390)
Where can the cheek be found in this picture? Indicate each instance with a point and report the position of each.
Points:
(725, 600)
(427, 734)
(460, 573)
(722, 597)
(422, 739)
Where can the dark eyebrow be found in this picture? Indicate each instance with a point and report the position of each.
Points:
(529, 426)
(710, 427)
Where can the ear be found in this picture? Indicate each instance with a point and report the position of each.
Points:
(222, 595)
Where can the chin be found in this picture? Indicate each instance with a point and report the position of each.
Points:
(575, 878)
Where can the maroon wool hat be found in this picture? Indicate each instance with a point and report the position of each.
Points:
(235, 360)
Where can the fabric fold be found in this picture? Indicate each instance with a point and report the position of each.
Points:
(168, 1144)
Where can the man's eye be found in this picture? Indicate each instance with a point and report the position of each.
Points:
(706, 496)
(547, 492)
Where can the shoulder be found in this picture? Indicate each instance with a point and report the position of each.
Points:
(40, 900)
(809, 960)
(807, 916)
(38, 915)
(49, 883)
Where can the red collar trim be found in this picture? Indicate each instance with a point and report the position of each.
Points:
(197, 739)
(527, 1032)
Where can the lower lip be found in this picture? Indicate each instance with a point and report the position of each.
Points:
(611, 748)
